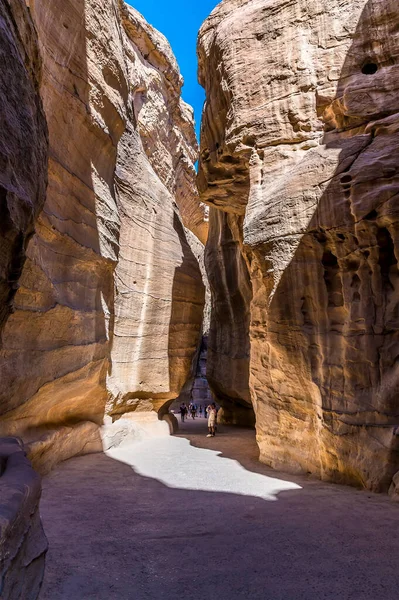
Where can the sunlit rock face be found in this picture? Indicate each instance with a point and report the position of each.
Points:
(109, 309)
(159, 302)
(300, 164)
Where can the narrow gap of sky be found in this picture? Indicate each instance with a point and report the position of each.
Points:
(179, 21)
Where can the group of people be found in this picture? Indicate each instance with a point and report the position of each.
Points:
(193, 410)
(209, 412)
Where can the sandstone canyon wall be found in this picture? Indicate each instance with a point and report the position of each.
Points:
(300, 166)
(107, 316)
(23, 144)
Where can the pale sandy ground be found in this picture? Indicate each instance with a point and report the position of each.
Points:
(118, 534)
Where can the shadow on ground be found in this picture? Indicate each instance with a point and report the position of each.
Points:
(117, 535)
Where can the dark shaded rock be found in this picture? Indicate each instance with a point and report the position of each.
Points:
(23, 144)
(23, 544)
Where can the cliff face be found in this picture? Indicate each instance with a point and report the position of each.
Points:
(108, 312)
(23, 144)
(299, 163)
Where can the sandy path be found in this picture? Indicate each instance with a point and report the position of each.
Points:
(117, 535)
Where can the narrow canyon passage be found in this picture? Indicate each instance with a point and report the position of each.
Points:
(241, 248)
(117, 534)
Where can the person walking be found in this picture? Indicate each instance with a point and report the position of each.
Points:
(183, 411)
(211, 419)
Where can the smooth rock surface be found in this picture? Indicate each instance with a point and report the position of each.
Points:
(108, 314)
(299, 164)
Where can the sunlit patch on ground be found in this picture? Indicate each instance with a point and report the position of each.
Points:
(177, 464)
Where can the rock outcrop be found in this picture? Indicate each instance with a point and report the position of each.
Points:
(23, 545)
(108, 312)
(300, 165)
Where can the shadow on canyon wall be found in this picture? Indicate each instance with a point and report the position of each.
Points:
(185, 326)
(23, 148)
(228, 341)
(55, 348)
(58, 342)
(334, 315)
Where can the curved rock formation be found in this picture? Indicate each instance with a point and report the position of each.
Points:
(108, 312)
(299, 163)
(159, 294)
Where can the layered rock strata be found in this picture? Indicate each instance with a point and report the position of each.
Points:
(300, 164)
(23, 144)
(23, 545)
(108, 312)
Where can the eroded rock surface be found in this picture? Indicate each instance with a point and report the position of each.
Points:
(300, 164)
(108, 312)
(23, 144)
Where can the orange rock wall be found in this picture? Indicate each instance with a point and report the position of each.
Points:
(299, 163)
(109, 307)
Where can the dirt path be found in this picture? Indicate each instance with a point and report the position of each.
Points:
(123, 533)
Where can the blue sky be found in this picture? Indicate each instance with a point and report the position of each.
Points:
(179, 21)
